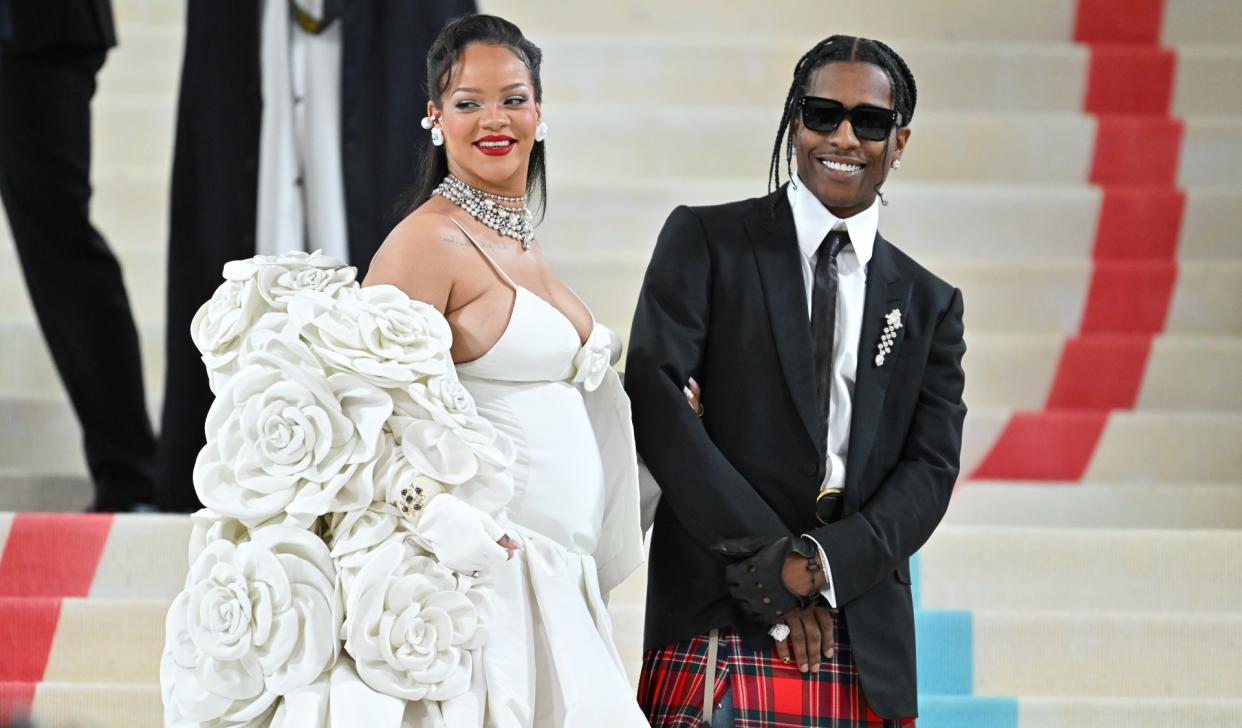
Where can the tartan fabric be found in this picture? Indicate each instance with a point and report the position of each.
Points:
(766, 692)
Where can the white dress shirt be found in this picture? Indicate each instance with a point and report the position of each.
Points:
(813, 221)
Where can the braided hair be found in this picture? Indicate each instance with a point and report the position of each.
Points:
(841, 48)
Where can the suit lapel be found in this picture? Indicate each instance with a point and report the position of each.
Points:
(886, 290)
(775, 244)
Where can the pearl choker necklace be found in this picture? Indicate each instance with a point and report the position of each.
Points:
(490, 209)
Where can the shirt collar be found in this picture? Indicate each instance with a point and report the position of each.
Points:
(813, 221)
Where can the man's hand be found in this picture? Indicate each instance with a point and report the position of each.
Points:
(756, 576)
(810, 637)
(801, 577)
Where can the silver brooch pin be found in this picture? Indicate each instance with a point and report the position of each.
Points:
(885, 347)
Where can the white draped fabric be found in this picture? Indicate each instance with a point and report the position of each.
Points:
(313, 600)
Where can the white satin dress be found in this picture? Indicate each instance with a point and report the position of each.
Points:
(550, 658)
(549, 661)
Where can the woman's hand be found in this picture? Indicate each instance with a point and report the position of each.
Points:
(694, 396)
(810, 637)
(464, 538)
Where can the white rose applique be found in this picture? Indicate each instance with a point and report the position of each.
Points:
(283, 437)
(412, 624)
(255, 621)
(278, 277)
(593, 359)
(254, 297)
(378, 333)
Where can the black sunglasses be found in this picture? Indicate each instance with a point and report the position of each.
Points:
(868, 122)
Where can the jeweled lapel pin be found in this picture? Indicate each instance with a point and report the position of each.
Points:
(888, 336)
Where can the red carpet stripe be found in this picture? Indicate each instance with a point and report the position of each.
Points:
(46, 557)
(1135, 162)
(1129, 79)
(1119, 21)
(1055, 446)
(53, 554)
(15, 700)
(27, 627)
(1136, 150)
(1099, 372)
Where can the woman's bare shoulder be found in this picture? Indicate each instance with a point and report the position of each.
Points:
(420, 255)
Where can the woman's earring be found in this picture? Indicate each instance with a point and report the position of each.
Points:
(541, 131)
(426, 122)
(896, 164)
(437, 136)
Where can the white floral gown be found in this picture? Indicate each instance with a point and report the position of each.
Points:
(311, 601)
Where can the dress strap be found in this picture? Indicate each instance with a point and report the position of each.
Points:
(495, 266)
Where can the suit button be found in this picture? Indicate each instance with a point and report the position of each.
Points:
(810, 468)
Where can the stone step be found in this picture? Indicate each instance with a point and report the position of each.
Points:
(1132, 712)
(133, 132)
(1119, 654)
(1183, 372)
(1014, 371)
(1184, 21)
(1003, 295)
(992, 567)
(617, 215)
(1036, 295)
(1096, 505)
(43, 491)
(952, 75)
(95, 640)
(1137, 446)
(101, 705)
(139, 706)
(1022, 653)
(28, 369)
(1178, 572)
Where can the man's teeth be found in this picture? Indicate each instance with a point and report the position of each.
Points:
(840, 167)
(505, 143)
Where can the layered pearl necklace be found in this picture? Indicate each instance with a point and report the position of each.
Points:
(508, 216)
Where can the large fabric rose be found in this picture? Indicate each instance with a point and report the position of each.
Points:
(441, 433)
(378, 333)
(355, 534)
(593, 359)
(412, 624)
(276, 278)
(283, 437)
(254, 296)
(255, 621)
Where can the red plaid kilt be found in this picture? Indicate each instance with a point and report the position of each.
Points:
(766, 692)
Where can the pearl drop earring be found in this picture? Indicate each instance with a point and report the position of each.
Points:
(896, 164)
(541, 131)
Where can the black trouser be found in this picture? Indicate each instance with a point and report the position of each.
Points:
(74, 280)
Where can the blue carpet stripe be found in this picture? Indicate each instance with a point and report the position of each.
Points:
(952, 711)
(945, 651)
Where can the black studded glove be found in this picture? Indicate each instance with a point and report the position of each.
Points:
(755, 575)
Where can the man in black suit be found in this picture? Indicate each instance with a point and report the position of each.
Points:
(830, 371)
(48, 64)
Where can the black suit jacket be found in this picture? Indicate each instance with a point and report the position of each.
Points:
(724, 301)
(37, 26)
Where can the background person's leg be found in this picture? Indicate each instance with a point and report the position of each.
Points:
(74, 280)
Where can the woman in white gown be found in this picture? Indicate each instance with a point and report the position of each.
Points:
(519, 337)
(419, 491)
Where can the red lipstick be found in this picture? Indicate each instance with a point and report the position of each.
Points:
(495, 145)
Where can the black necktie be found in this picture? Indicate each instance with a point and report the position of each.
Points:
(823, 331)
(824, 316)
